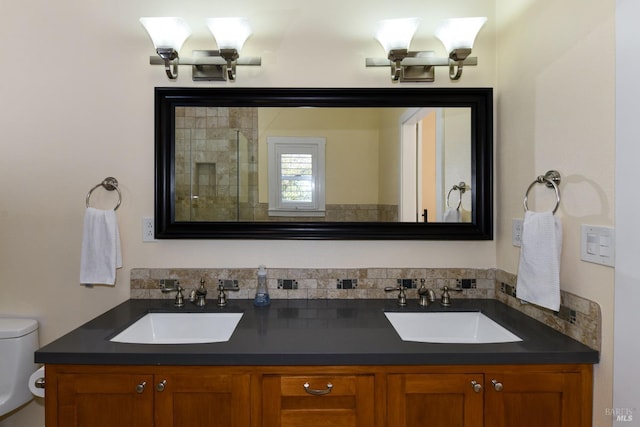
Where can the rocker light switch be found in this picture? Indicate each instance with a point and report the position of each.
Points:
(592, 244)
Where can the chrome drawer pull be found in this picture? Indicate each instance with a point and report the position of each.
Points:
(161, 385)
(140, 387)
(318, 392)
(477, 387)
(497, 385)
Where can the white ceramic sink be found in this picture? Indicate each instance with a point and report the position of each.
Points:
(449, 327)
(180, 328)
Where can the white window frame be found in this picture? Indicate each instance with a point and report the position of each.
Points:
(278, 145)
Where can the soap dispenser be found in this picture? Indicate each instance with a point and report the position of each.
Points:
(262, 294)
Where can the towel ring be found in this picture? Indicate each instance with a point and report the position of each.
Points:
(109, 184)
(462, 187)
(551, 179)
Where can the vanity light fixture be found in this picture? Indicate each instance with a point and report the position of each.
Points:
(230, 35)
(207, 65)
(457, 36)
(395, 35)
(168, 35)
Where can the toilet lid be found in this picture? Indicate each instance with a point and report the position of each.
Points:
(14, 328)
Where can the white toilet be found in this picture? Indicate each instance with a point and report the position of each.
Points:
(18, 341)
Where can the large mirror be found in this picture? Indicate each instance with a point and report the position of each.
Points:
(324, 163)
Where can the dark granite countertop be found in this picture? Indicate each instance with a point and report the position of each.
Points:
(314, 332)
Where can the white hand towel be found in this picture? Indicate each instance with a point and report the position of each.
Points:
(539, 268)
(100, 256)
(451, 215)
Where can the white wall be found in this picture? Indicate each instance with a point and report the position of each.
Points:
(77, 106)
(556, 111)
(626, 380)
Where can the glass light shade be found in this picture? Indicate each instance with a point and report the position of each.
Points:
(396, 33)
(167, 32)
(459, 33)
(230, 33)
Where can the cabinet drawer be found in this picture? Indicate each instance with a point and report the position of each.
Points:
(318, 400)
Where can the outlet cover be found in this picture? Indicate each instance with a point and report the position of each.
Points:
(148, 230)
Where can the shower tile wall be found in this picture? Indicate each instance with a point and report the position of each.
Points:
(212, 184)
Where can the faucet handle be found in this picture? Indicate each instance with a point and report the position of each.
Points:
(179, 297)
(226, 285)
(179, 302)
(222, 297)
(445, 300)
(402, 296)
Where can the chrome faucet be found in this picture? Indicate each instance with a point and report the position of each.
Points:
(427, 296)
(201, 294)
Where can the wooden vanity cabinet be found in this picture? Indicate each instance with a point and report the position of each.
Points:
(537, 398)
(436, 400)
(98, 398)
(142, 396)
(491, 396)
(202, 397)
(319, 396)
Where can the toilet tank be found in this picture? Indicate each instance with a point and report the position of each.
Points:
(18, 342)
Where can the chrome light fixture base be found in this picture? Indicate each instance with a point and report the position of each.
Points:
(208, 72)
(210, 65)
(417, 67)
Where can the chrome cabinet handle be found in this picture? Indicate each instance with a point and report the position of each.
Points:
(477, 387)
(318, 392)
(140, 387)
(497, 385)
(161, 385)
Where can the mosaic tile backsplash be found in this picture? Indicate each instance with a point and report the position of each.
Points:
(578, 318)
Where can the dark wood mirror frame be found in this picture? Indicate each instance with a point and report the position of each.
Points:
(480, 100)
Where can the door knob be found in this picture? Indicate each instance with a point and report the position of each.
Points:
(497, 385)
(477, 387)
(161, 385)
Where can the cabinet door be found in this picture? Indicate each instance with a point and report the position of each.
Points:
(104, 400)
(318, 401)
(435, 400)
(534, 400)
(193, 397)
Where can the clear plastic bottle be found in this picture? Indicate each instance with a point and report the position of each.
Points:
(262, 293)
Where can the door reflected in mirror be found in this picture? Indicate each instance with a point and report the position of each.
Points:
(376, 164)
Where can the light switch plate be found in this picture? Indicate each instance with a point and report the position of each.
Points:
(598, 244)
